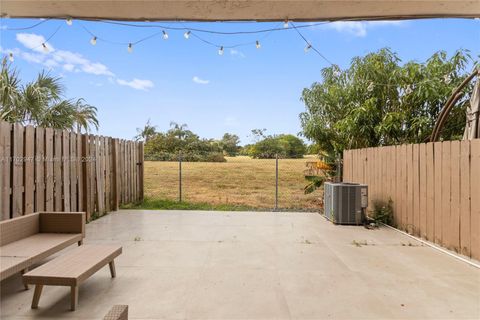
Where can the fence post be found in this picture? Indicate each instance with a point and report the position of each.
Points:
(180, 177)
(141, 158)
(276, 182)
(86, 176)
(115, 175)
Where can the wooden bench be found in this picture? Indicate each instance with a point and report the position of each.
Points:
(29, 239)
(71, 269)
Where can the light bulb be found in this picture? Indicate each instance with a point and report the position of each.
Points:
(69, 21)
(165, 35)
(44, 46)
(186, 35)
(93, 41)
(258, 45)
(285, 23)
(130, 48)
(220, 51)
(307, 48)
(10, 57)
(370, 87)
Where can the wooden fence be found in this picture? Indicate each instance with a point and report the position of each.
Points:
(44, 169)
(435, 189)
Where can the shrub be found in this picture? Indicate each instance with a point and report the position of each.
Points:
(383, 212)
(187, 157)
(284, 145)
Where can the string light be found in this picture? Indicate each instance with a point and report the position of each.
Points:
(187, 32)
(312, 47)
(408, 90)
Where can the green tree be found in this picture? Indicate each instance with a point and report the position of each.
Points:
(146, 133)
(41, 103)
(177, 142)
(85, 116)
(230, 144)
(378, 101)
(179, 130)
(283, 145)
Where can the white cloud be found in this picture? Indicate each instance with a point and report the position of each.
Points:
(200, 80)
(97, 69)
(70, 61)
(34, 42)
(359, 28)
(137, 84)
(70, 57)
(31, 57)
(50, 63)
(237, 53)
(76, 59)
(68, 67)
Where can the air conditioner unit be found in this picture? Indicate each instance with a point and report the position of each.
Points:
(344, 203)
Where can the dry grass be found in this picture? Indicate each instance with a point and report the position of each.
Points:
(239, 181)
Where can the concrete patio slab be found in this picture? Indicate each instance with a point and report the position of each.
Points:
(243, 265)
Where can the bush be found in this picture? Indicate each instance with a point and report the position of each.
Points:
(178, 141)
(187, 157)
(383, 212)
(285, 146)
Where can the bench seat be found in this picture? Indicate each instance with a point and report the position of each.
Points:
(29, 239)
(40, 245)
(71, 269)
(13, 265)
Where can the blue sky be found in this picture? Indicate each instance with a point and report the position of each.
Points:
(186, 81)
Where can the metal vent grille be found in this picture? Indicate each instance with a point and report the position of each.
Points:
(343, 202)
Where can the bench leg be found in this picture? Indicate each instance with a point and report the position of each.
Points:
(112, 269)
(24, 283)
(80, 242)
(36, 295)
(73, 297)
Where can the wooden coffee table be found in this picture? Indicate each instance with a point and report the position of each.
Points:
(71, 269)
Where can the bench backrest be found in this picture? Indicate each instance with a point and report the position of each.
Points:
(62, 222)
(19, 228)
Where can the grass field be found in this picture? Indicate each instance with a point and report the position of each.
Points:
(241, 181)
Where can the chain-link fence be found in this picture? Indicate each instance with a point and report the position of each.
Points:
(261, 184)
